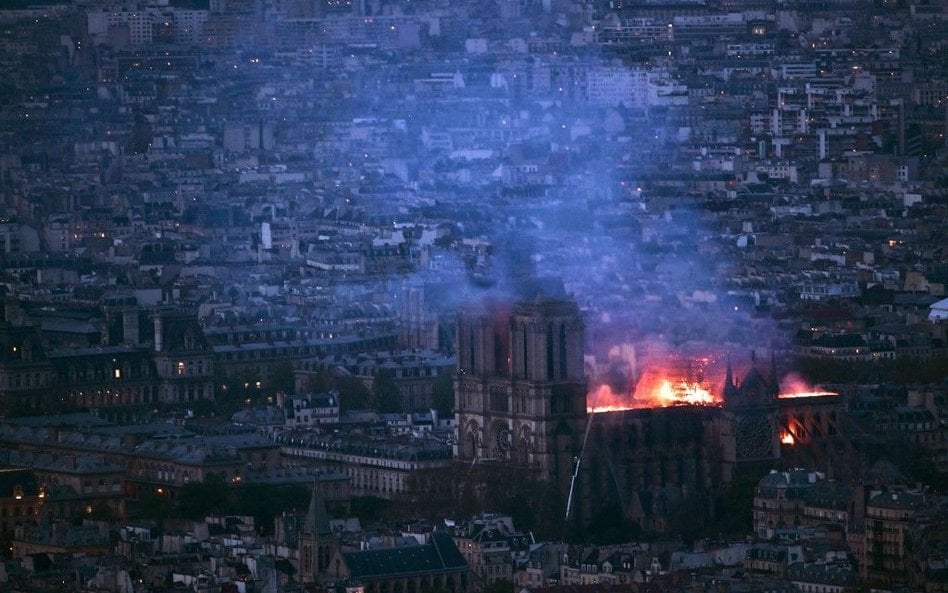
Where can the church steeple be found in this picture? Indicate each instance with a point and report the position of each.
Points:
(730, 389)
(317, 519)
(316, 540)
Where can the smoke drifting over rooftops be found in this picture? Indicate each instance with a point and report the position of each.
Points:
(652, 287)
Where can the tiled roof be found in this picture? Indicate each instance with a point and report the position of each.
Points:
(437, 557)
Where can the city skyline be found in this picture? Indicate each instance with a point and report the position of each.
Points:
(514, 295)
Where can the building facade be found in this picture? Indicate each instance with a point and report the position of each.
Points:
(520, 389)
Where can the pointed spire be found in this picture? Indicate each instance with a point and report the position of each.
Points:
(774, 380)
(317, 519)
(730, 388)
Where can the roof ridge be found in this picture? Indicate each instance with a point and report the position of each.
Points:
(434, 541)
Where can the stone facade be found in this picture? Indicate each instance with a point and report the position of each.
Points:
(521, 393)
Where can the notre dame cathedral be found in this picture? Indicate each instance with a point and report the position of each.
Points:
(521, 389)
(521, 400)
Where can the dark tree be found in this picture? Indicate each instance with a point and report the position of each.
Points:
(282, 377)
(154, 506)
(317, 383)
(353, 394)
(442, 395)
(264, 502)
(386, 398)
(733, 517)
(142, 134)
(199, 499)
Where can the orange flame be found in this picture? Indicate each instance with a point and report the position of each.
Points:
(794, 383)
(807, 394)
(658, 387)
(793, 386)
(670, 379)
(786, 438)
(604, 399)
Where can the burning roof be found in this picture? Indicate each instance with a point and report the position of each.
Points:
(668, 379)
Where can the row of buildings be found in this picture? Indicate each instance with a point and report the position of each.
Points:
(275, 213)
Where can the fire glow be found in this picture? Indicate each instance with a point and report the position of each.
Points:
(793, 386)
(671, 380)
(660, 386)
(797, 394)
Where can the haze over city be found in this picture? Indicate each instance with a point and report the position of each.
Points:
(392, 296)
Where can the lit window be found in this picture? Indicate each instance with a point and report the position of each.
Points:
(117, 373)
(181, 368)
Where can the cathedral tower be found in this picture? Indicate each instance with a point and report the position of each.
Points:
(520, 391)
(751, 410)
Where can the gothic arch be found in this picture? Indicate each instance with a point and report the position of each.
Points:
(471, 440)
(501, 441)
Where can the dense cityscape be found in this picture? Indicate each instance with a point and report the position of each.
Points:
(500, 296)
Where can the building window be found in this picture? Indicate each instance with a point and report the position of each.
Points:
(181, 368)
(117, 373)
